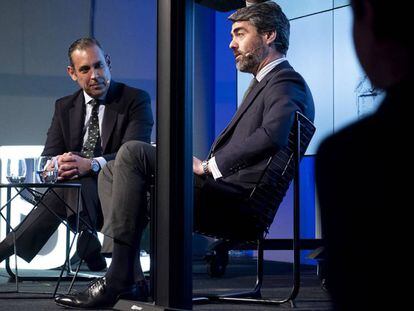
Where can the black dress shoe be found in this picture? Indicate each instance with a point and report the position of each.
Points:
(100, 295)
(88, 248)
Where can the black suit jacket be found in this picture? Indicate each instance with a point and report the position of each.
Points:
(363, 180)
(127, 116)
(261, 125)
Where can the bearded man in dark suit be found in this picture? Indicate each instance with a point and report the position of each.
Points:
(260, 127)
(87, 130)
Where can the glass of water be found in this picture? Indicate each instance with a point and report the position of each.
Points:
(16, 170)
(47, 169)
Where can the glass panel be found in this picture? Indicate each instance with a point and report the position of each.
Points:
(310, 53)
(298, 8)
(338, 3)
(348, 73)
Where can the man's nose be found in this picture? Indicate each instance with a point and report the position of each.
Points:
(95, 73)
(232, 45)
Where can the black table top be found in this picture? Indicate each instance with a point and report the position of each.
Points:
(41, 185)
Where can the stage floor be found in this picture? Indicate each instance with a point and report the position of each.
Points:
(240, 275)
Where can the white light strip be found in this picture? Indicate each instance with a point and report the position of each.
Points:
(9, 152)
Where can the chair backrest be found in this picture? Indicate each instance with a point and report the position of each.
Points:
(271, 188)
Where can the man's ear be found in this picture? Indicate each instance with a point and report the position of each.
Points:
(71, 72)
(108, 61)
(270, 37)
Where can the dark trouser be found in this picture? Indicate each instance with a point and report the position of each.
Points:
(123, 185)
(39, 225)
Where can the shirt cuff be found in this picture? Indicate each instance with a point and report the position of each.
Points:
(101, 161)
(212, 165)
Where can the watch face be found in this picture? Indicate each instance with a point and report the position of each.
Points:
(94, 166)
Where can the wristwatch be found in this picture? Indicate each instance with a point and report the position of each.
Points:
(204, 165)
(95, 166)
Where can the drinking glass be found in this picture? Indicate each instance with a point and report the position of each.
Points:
(47, 169)
(16, 170)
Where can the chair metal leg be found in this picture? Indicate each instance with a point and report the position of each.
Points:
(66, 265)
(75, 275)
(254, 296)
(69, 246)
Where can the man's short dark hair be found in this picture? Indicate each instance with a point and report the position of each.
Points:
(266, 17)
(82, 44)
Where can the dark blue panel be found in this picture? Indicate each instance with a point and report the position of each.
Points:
(204, 80)
(307, 199)
(226, 75)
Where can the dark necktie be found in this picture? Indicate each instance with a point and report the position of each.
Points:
(92, 145)
(252, 84)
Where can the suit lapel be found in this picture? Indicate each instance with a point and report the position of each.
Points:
(110, 116)
(108, 124)
(76, 122)
(248, 101)
(239, 112)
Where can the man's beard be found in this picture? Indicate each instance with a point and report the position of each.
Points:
(250, 61)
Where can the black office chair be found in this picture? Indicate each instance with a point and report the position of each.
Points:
(265, 198)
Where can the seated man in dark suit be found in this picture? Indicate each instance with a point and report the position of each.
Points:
(261, 125)
(87, 130)
(362, 170)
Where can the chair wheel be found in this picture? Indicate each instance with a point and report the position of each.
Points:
(216, 263)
